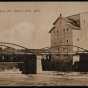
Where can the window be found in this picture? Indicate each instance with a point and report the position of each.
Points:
(57, 55)
(54, 32)
(66, 55)
(58, 49)
(67, 50)
(64, 49)
(67, 41)
(64, 29)
(67, 29)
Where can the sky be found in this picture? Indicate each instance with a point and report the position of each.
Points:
(28, 23)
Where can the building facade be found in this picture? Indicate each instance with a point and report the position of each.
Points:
(62, 38)
(68, 37)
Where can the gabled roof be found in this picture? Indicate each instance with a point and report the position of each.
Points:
(74, 20)
(55, 22)
(57, 19)
(52, 29)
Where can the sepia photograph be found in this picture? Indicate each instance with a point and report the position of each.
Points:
(44, 43)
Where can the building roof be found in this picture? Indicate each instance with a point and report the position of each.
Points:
(73, 19)
(55, 22)
(57, 19)
(52, 29)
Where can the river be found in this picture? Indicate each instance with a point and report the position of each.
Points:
(15, 78)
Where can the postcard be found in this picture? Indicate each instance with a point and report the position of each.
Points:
(44, 43)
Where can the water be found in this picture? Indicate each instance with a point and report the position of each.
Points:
(13, 77)
(49, 78)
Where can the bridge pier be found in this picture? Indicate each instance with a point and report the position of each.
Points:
(39, 64)
(29, 65)
(32, 64)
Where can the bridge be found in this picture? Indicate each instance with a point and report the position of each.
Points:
(9, 49)
(26, 59)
